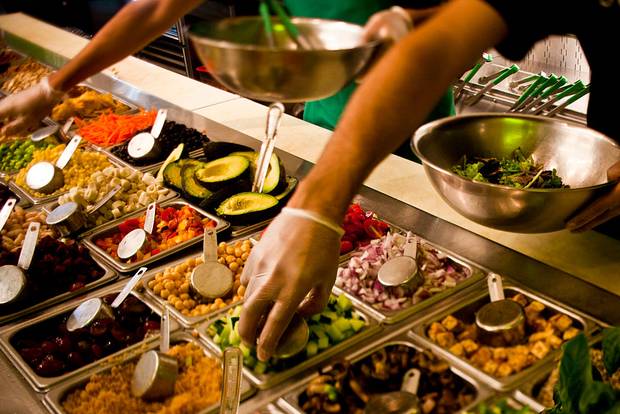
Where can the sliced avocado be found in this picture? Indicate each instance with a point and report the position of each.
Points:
(276, 175)
(191, 185)
(247, 208)
(215, 199)
(175, 155)
(291, 184)
(223, 171)
(172, 174)
(214, 150)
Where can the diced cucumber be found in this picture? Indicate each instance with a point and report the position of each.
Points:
(343, 324)
(234, 338)
(217, 339)
(250, 361)
(357, 324)
(318, 331)
(237, 311)
(323, 342)
(312, 349)
(260, 367)
(316, 318)
(344, 303)
(335, 334)
(331, 315)
(245, 350)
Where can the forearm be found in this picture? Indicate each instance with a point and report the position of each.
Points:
(137, 24)
(394, 99)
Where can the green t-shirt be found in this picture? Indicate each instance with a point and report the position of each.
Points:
(326, 112)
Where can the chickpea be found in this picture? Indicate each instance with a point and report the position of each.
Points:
(222, 305)
(179, 305)
(234, 266)
(230, 259)
(221, 260)
(157, 289)
(238, 252)
(184, 296)
(241, 290)
(184, 288)
(245, 248)
(151, 283)
(240, 261)
(245, 256)
(164, 294)
(218, 301)
(169, 285)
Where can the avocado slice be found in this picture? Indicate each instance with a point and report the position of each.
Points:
(172, 174)
(291, 184)
(215, 199)
(248, 208)
(174, 155)
(217, 149)
(192, 187)
(223, 171)
(276, 174)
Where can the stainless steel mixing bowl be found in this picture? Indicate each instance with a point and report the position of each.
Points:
(235, 51)
(580, 155)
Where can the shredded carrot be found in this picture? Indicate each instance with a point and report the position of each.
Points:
(112, 129)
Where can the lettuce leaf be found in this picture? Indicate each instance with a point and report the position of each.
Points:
(611, 349)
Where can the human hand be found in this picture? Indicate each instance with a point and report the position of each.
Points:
(602, 209)
(300, 258)
(392, 25)
(24, 111)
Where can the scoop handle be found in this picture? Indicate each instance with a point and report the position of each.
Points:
(29, 245)
(67, 126)
(411, 247)
(104, 199)
(164, 340)
(128, 288)
(209, 246)
(158, 125)
(411, 381)
(496, 287)
(149, 220)
(66, 155)
(231, 394)
(6, 211)
(274, 116)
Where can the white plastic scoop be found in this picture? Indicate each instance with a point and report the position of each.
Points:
(145, 145)
(231, 393)
(274, 116)
(402, 270)
(6, 211)
(156, 372)
(13, 280)
(404, 401)
(135, 239)
(211, 279)
(94, 309)
(46, 177)
(44, 132)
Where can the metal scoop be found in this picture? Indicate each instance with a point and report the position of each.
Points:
(501, 322)
(274, 116)
(13, 281)
(156, 372)
(70, 218)
(46, 177)
(6, 211)
(136, 239)
(94, 309)
(211, 279)
(404, 401)
(295, 337)
(402, 270)
(44, 132)
(144, 146)
(231, 393)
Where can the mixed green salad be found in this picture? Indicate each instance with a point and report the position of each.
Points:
(500, 407)
(517, 171)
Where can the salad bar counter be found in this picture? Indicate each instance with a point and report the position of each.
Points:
(365, 343)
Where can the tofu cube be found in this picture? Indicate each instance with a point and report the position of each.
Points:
(450, 323)
(539, 350)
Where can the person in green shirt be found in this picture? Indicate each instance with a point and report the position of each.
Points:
(326, 112)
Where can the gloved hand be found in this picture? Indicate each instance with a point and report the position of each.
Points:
(391, 25)
(602, 209)
(300, 258)
(25, 110)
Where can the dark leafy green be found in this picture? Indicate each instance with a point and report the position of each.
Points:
(500, 407)
(518, 171)
(577, 392)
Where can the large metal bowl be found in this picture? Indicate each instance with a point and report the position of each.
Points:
(235, 51)
(580, 155)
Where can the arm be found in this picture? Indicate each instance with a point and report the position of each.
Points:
(130, 30)
(301, 256)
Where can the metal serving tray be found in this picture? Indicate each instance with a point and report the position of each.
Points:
(44, 123)
(53, 399)
(48, 199)
(22, 200)
(155, 166)
(48, 208)
(390, 317)
(290, 400)
(17, 62)
(419, 330)
(110, 228)
(186, 321)
(45, 383)
(271, 379)
(107, 277)
(515, 400)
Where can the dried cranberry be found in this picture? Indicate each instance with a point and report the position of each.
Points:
(75, 359)
(50, 366)
(48, 347)
(63, 343)
(83, 346)
(96, 350)
(31, 355)
(120, 334)
(100, 327)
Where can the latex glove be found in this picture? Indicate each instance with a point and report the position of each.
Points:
(602, 209)
(300, 258)
(24, 111)
(392, 25)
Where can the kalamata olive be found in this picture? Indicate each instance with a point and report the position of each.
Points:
(120, 334)
(108, 299)
(108, 346)
(96, 350)
(100, 327)
(151, 326)
(76, 286)
(48, 347)
(63, 343)
(31, 355)
(83, 346)
(75, 359)
(50, 366)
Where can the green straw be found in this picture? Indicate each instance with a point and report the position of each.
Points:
(289, 25)
(266, 16)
